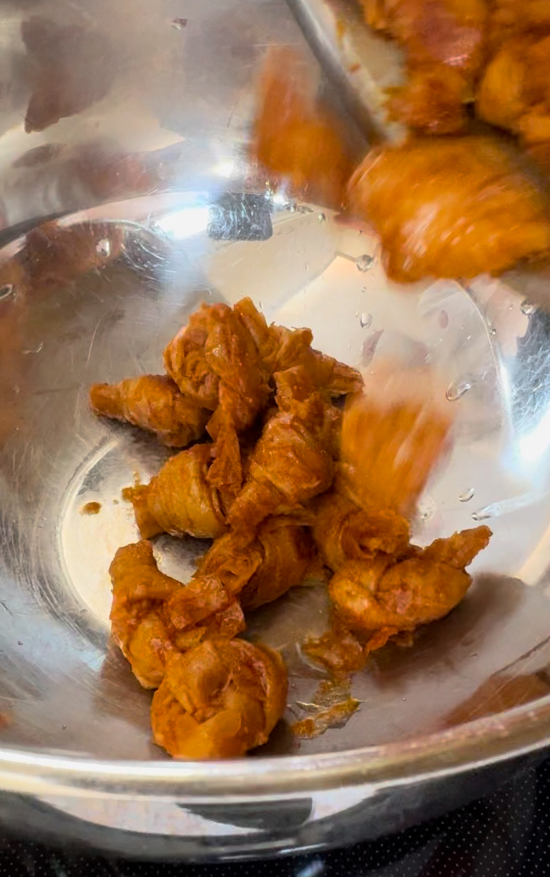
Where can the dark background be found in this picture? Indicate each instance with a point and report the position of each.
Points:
(504, 835)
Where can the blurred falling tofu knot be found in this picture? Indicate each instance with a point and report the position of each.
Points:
(393, 436)
(450, 207)
(297, 141)
(219, 700)
(503, 95)
(180, 500)
(154, 403)
(443, 42)
(509, 18)
(401, 594)
(432, 101)
(514, 92)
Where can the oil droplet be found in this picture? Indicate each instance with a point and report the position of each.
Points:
(364, 263)
(91, 508)
(467, 495)
(321, 217)
(104, 247)
(366, 321)
(179, 23)
(7, 290)
(527, 307)
(32, 350)
(457, 389)
(481, 515)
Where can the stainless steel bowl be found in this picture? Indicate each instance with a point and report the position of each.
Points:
(150, 166)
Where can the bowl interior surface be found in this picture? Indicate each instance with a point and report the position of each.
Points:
(141, 267)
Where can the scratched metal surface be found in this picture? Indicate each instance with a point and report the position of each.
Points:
(62, 689)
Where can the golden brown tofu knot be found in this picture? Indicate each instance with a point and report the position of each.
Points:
(154, 403)
(140, 591)
(219, 700)
(180, 500)
(344, 531)
(263, 565)
(154, 615)
(375, 595)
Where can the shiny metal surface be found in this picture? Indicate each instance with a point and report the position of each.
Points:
(147, 165)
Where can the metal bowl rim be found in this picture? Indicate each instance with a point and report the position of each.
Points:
(470, 746)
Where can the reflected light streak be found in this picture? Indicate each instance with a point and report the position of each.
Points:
(534, 446)
(185, 223)
(226, 169)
